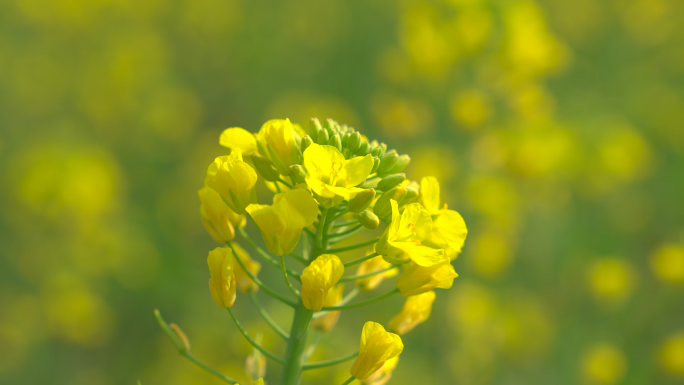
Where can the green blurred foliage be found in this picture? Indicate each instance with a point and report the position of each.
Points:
(555, 127)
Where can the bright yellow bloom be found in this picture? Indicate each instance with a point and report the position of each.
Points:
(331, 177)
(448, 227)
(672, 354)
(417, 279)
(217, 217)
(318, 278)
(282, 222)
(243, 281)
(279, 140)
(401, 241)
(328, 321)
(667, 262)
(377, 346)
(239, 138)
(369, 266)
(234, 179)
(382, 376)
(416, 309)
(604, 364)
(222, 281)
(259, 382)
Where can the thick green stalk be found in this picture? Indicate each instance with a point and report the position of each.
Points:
(296, 346)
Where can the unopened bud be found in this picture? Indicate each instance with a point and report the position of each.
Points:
(323, 137)
(391, 181)
(410, 197)
(382, 206)
(306, 142)
(376, 164)
(364, 148)
(401, 164)
(298, 173)
(369, 220)
(314, 129)
(183, 338)
(362, 200)
(265, 168)
(335, 141)
(345, 139)
(331, 126)
(388, 161)
(353, 142)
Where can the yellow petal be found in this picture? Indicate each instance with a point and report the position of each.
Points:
(239, 138)
(449, 229)
(356, 170)
(429, 193)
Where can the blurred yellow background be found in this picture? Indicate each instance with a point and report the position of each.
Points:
(556, 128)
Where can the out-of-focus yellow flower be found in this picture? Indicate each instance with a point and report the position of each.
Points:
(234, 179)
(611, 279)
(491, 253)
(279, 138)
(240, 138)
(331, 177)
(328, 321)
(243, 281)
(470, 108)
(377, 346)
(667, 263)
(217, 217)
(417, 279)
(449, 230)
(259, 382)
(282, 222)
(604, 364)
(416, 309)
(401, 241)
(672, 354)
(318, 278)
(382, 376)
(369, 266)
(222, 281)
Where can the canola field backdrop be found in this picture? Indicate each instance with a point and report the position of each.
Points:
(555, 127)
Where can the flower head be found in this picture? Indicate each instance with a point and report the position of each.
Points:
(234, 180)
(217, 217)
(369, 266)
(279, 138)
(333, 178)
(282, 222)
(416, 309)
(449, 230)
(418, 279)
(318, 278)
(328, 321)
(244, 283)
(377, 346)
(222, 281)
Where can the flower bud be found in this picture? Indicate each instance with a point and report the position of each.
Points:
(369, 266)
(364, 148)
(323, 137)
(382, 206)
(181, 336)
(328, 321)
(376, 164)
(368, 220)
(222, 281)
(362, 200)
(217, 217)
(401, 164)
(354, 142)
(331, 126)
(377, 151)
(377, 346)
(318, 278)
(306, 142)
(335, 141)
(418, 279)
(314, 129)
(416, 309)
(388, 161)
(234, 180)
(297, 173)
(390, 181)
(265, 168)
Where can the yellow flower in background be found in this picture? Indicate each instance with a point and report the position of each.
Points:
(234, 179)
(281, 224)
(667, 262)
(244, 283)
(449, 230)
(239, 138)
(280, 142)
(369, 266)
(672, 354)
(259, 382)
(222, 281)
(416, 310)
(328, 321)
(217, 217)
(331, 177)
(611, 279)
(377, 346)
(384, 374)
(417, 279)
(604, 364)
(318, 278)
(401, 241)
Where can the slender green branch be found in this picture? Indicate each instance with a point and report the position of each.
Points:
(267, 317)
(357, 261)
(362, 303)
(345, 224)
(318, 246)
(299, 258)
(209, 368)
(251, 341)
(307, 323)
(277, 186)
(287, 280)
(311, 233)
(372, 273)
(347, 236)
(323, 364)
(341, 213)
(354, 247)
(283, 182)
(345, 232)
(312, 346)
(263, 253)
(261, 284)
(345, 300)
(349, 381)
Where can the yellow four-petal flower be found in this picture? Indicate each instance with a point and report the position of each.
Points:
(222, 281)
(318, 278)
(377, 346)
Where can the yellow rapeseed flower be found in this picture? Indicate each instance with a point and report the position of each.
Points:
(222, 281)
(449, 230)
(384, 374)
(401, 241)
(672, 354)
(377, 346)
(604, 364)
(279, 140)
(281, 224)
(217, 217)
(416, 309)
(331, 177)
(418, 279)
(667, 262)
(611, 280)
(243, 281)
(318, 278)
(369, 266)
(328, 321)
(239, 138)
(234, 179)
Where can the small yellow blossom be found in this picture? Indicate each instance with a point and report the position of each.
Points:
(239, 138)
(667, 262)
(382, 376)
(331, 177)
(416, 309)
(377, 346)
(449, 230)
(401, 241)
(279, 140)
(243, 281)
(234, 179)
(222, 281)
(604, 364)
(217, 217)
(611, 279)
(318, 278)
(417, 279)
(328, 321)
(369, 266)
(281, 224)
(672, 354)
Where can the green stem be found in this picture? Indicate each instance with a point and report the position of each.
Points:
(345, 232)
(362, 303)
(323, 364)
(251, 341)
(285, 183)
(337, 226)
(359, 276)
(349, 381)
(209, 368)
(287, 280)
(263, 253)
(267, 317)
(319, 248)
(357, 261)
(353, 247)
(299, 258)
(312, 346)
(348, 297)
(292, 371)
